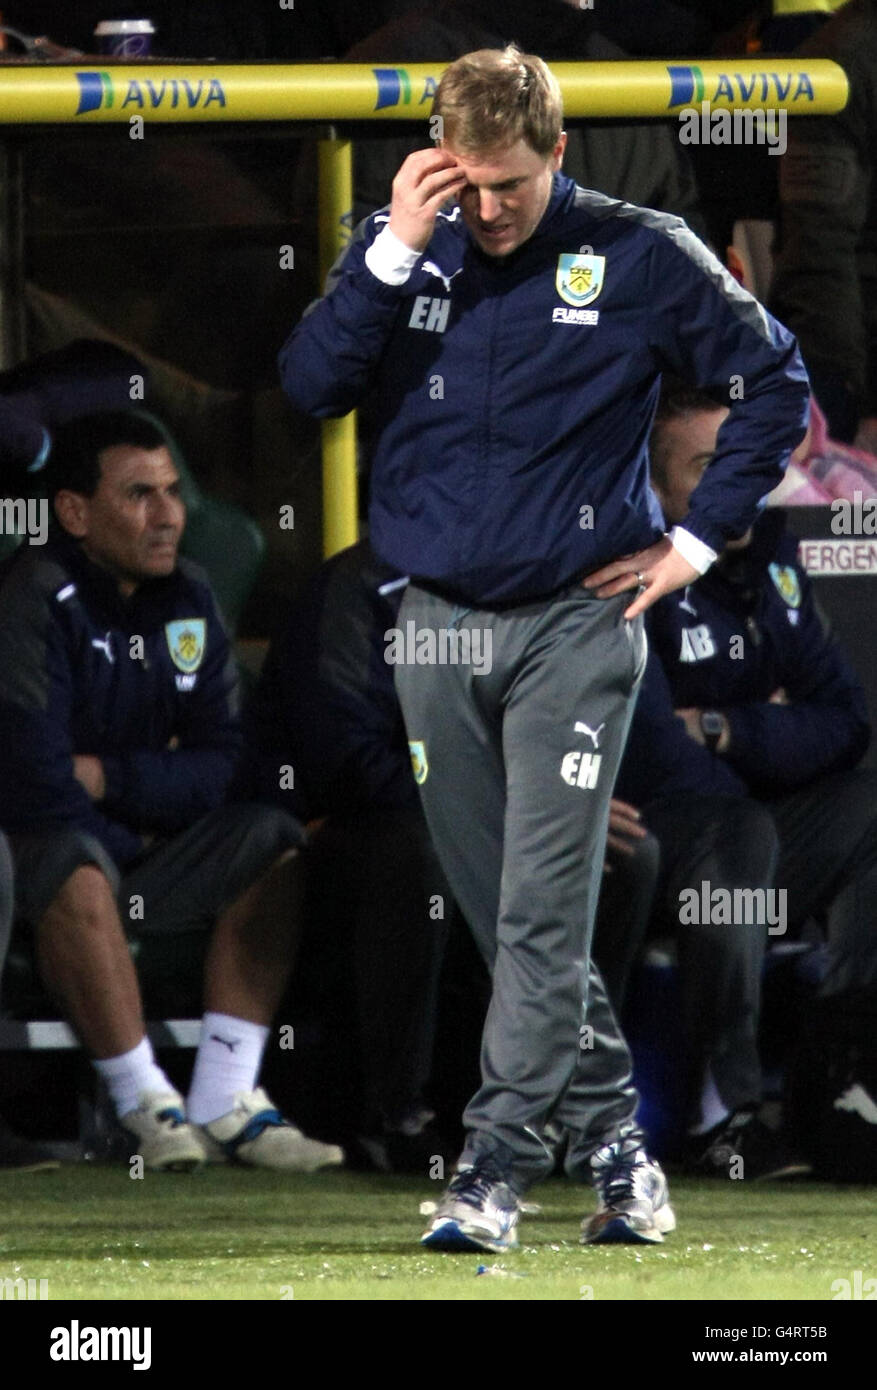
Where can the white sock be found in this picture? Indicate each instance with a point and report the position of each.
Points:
(713, 1110)
(131, 1073)
(228, 1061)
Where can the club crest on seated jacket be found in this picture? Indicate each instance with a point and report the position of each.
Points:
(186, 640)
(786, 581)
(418, 760)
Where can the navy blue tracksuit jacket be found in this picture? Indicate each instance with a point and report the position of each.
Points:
(325, 702)
(71, 682)
(513, 394)
(748, 628)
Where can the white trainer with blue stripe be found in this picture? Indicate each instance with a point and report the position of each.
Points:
(479, 1211)
(165, 1140)
(255, 1133)
(634, 1199)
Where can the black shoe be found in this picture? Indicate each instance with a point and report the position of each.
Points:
(418, 1153)
(22, 1155)
(397, 1152)
(743, 1147)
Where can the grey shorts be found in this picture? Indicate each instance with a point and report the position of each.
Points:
(179, 884)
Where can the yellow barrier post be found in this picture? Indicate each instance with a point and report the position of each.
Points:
(340, 493)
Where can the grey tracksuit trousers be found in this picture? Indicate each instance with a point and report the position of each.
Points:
(516, 745)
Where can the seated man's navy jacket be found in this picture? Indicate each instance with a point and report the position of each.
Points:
(75, 679)
(728, 642)
(326, 704)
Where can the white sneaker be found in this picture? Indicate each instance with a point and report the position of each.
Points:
(479, 1211)
(255, 1133)
(165, 1139)
(634, 1200)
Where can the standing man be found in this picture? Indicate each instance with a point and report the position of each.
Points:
(743, 754)
(513, 341)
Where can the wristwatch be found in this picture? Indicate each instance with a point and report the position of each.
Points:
(712, 725)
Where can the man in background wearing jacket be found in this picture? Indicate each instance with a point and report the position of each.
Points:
(512, 346)
(742, 755)
(118, 739)
(639, 161)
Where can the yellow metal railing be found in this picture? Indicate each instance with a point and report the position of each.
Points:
(84, 94)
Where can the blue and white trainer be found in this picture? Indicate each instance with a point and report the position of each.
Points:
(479, 1211)
(634, 1199)
(256, 1134)
(165, 1140)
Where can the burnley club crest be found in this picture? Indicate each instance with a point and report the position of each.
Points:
(579, 278)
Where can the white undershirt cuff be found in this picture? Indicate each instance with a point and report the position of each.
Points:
(695, 551)
(389, 259)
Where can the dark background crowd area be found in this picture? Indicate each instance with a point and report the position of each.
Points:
(170, 245)
(316, 29)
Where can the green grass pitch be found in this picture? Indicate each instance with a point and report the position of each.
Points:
(96, 1233)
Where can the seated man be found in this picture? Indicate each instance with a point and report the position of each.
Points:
(742, 752)
(118, 738)
(325, 711)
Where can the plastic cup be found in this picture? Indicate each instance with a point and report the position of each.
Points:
(125, 38)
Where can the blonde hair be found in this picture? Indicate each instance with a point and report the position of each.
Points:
(490, 99)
